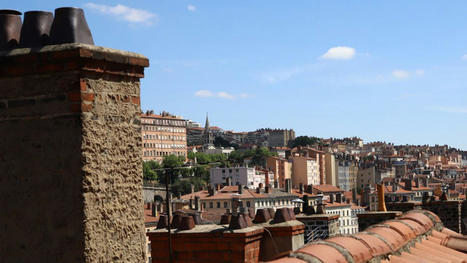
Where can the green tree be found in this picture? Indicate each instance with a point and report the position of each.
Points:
(304, 141)
(260, 156)
(169, 163)
(150, 170)
(183, 186)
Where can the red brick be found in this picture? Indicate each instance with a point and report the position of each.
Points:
(86, 107)
(82, 85)
(87, 96)
(135, 100)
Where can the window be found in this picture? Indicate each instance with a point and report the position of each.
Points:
(211, 205)
(218, 204)
(247, 203)
(225, 204)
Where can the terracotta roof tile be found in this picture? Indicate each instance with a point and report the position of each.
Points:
(400, 240)
(378, 246)
(359, 251)
(323, 252)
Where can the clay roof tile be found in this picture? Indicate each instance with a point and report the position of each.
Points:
(324, 253)
(359, 250)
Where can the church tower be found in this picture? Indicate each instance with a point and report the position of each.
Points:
(208, 137)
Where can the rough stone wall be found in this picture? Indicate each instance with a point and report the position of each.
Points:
(112, 166)
(40, 190)
(70, 155)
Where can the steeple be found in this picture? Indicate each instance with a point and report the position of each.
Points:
(208, 137)
(206, 125)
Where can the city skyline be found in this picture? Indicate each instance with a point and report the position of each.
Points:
(382, 71)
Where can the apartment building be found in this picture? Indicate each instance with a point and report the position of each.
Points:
(249, 177)
(163, 135)
(282, 169)
(305, 171)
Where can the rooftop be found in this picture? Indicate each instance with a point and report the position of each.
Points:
(417, 236)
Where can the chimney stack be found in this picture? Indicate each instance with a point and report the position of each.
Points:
(395, 186)
(288, 186)
(266, 179)
(305, 203)
(153, 210)
(331, 198)
(301, 188)
(197, 204)
(60, 104)
(354, 196)
(228, 181)
(408, 184)
(192, 186)
(266, 189)
(417, 182)
(309, 189)
(240, 189)
(339, 198)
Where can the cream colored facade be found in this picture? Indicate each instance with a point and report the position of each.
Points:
(305, 171)
(282, 169)
(163, 135)
(331, 171)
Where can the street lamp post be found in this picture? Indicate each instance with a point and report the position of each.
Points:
(167, 200)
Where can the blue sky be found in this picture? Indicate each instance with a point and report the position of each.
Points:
(391, 71)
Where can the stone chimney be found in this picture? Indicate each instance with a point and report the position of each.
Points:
(354, 196)
(301, 188)
(240, 189)
(266, 189)
(197, 204)
(417, 182)
(228, 181)
(153, 209)
(339, 197)
(73, 111)
(305, 203)
(408, 184)
(309, 189)
(395, 186)
(192, 186)
(288, 186)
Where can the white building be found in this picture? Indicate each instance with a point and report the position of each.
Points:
(348, 220)
(247, 176)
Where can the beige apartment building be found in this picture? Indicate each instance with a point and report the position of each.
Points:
(163, 135)
(282, 169)
(305, 171)
(331, 170)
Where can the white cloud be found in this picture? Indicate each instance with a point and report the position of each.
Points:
(400, 74)
(225, 95)
(420, 72)
(339, 53)
(453, 109)
(126, 13)
(204, 93)
(221, 94)
(464, 57)
(191, 8)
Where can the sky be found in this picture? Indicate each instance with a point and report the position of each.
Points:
(393, 71)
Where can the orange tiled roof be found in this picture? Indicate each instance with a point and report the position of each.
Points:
(327, 188)
(417, 236)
